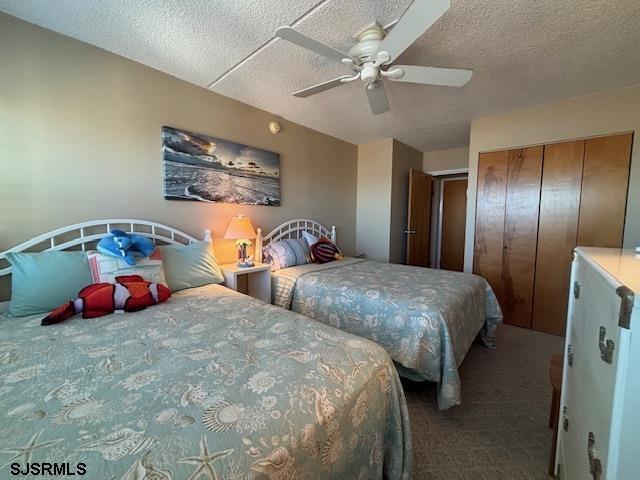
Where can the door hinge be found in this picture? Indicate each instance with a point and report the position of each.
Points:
(595, 465)
(565, 419)
(570, 355)
(606, 347)
(626, 306)
(576, 290)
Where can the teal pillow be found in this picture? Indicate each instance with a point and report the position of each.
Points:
(41, 282)
(188, 266)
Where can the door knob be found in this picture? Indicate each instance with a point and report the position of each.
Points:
(410, 232)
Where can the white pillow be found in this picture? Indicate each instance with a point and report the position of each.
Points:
(310, 239)
(105, 268)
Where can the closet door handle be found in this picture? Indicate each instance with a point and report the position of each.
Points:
(410, 232)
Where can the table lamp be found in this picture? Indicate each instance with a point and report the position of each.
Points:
(241, 230)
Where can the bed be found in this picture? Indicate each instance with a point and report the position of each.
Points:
(426, 319)
(211, 384)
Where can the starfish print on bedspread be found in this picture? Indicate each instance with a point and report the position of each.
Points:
(26, 450)
(205, 461)
(356, 366)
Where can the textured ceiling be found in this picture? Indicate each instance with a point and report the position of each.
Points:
(523, 52)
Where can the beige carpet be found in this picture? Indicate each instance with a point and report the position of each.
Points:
(500, 430)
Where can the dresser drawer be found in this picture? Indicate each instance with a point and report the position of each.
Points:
(589, 385)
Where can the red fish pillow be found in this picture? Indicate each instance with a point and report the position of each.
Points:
(130, 293)
(324, 251)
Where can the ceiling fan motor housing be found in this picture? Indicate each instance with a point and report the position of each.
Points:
(368, 43)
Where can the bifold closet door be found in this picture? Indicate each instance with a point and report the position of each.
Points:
(534, 206)
(490, 210)
(557, 233)
(521, 234)
(605, 181)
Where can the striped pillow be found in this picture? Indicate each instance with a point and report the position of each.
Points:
(323, 251)
(286, 253)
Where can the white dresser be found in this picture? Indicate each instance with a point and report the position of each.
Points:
(599, 431)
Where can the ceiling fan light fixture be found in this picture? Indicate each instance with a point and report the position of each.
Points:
(369, 73)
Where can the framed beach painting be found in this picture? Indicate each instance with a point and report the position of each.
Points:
(208, 169)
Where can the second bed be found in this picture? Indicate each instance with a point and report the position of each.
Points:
(425, 318)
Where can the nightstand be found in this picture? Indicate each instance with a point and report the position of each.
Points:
(256, 279)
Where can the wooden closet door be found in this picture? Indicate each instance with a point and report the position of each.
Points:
(454, 216)
(521, 234)
(557, 233)
(490, 208)
(605, 181)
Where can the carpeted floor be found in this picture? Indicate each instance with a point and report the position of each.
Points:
(500, 431)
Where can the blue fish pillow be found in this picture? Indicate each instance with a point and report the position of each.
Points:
(126, 246)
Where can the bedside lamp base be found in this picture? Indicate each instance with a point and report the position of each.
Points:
(244, 260)
(246, 263)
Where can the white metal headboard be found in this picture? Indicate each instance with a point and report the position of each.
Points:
(83, 234)
(292, 229)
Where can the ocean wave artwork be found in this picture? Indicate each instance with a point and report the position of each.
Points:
(207, 169)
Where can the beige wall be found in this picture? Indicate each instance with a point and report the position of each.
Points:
(80, 140)
(404, 159)
(603, 113)
(383, 183)
(374, 198)
(447, 159)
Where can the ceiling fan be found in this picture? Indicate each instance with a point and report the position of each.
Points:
(372, 57)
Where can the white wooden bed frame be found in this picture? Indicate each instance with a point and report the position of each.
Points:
(292, 229)
(83, 234)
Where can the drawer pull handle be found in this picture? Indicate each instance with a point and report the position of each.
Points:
(570, 355)
(606, 346)
(624, 319)
(576, 290)
(595, 465)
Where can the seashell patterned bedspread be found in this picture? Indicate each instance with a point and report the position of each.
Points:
(210, 385)
(426, 319)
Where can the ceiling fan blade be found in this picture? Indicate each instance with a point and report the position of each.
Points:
(377, 99)
(321, 87)
(447, 77)
(293, 36)
(416, 20)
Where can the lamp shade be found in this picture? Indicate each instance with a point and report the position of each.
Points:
(240, 228)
